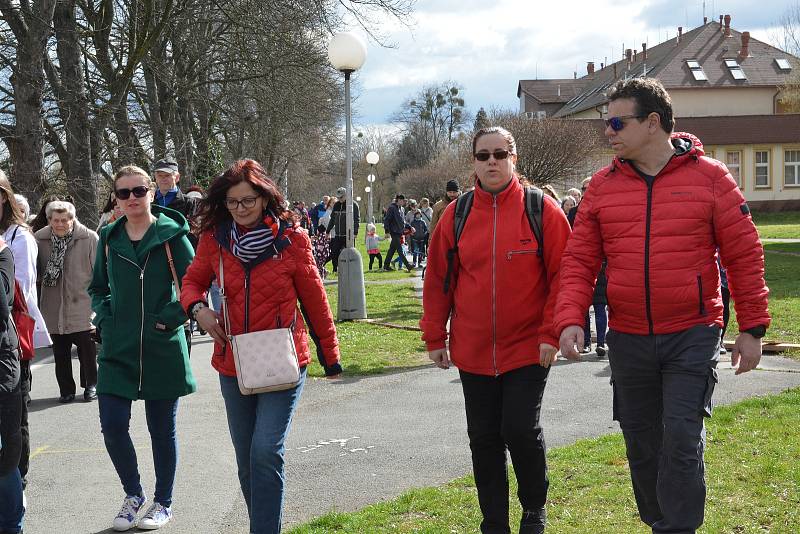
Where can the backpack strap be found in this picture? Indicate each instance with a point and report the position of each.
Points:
(463, 205)
(534, 205)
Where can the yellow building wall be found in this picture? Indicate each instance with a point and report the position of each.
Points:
(777, 189)
(695, 102)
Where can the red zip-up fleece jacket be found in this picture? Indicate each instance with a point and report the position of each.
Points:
(274, 287)
(661, 242)
(501, 298)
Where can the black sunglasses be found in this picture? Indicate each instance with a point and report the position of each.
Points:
(618, 123)
(498, 155)
(124, 194)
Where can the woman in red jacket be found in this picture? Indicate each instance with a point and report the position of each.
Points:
(500, 305)
(268, 267)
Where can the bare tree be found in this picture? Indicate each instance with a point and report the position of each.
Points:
(789, 39)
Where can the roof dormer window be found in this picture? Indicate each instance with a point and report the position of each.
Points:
(736, 69)
(697, 70)
(783, 63)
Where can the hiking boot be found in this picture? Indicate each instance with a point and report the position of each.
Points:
(156, 517)
(126, 518)
(90, 394)
(533, 522)
(66, 399)
(601, 351)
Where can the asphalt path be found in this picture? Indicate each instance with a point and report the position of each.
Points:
(355, 441)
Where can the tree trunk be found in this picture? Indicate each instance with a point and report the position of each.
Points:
(73, 107)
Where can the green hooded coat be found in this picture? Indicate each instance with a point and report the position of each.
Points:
(144, 353)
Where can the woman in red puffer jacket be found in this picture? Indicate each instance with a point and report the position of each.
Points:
(268, 266)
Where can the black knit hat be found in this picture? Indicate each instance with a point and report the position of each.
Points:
(452, 185)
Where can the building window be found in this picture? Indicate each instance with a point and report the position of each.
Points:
(791, 167)
(733, 159)
(696, 70)
(762, 168)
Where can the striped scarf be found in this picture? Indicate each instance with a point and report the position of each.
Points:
(249, 245)
(55, 263)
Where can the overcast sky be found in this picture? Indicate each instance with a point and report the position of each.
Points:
(488, 46)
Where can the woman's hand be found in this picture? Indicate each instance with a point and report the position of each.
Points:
(440, 357)
(209, 321)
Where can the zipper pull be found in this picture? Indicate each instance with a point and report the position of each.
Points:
(508, 256)
(141, 275)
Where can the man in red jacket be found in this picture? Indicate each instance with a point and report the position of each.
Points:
(657, 213)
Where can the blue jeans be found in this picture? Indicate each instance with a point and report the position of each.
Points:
(600, 323)
(215, 297)
(259, 425)
(115, 416)
(11, 509)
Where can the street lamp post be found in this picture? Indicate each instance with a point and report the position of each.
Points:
(372, 159)
(347, 53)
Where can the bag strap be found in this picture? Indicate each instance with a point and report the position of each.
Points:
(534, 206)
(172, 267)
(463, 206)
(222, 295)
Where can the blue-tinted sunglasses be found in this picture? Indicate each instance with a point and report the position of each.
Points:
(618, 123)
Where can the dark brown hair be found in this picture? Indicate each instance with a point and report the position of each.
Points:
(649, 96)
(12, 213)
(512, 144)
(213, 211)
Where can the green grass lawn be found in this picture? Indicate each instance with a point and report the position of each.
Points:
(752, 471)
(784, 294)
(371, 349)
(781, 225)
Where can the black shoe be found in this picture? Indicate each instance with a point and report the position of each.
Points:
(388, 268)
(90, 394)
(65, 399)
(586, 349)
(533, 522)
(601, 352)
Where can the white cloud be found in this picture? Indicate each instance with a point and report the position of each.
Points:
(489, 47)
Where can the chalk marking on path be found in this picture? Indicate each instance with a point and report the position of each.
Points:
(38, 451)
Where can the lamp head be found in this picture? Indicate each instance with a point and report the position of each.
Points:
(347, 52)
(373, 158)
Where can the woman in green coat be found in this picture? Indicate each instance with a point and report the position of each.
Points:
(144, 353)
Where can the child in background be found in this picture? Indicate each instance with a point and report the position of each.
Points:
(419, 238)
(408, 232)
(321, 246)
(371, 241)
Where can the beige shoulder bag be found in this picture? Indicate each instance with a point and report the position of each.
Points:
(265, 360)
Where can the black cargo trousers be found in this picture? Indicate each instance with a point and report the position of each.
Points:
(663, 386)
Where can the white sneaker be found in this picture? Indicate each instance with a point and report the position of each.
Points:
(156, 517)
(126, 518)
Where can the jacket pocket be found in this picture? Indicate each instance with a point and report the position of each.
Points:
(511, 253)
(702, 307)
(171, 317)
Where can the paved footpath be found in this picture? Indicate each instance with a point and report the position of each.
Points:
(355, 441)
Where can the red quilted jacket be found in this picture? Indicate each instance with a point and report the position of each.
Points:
(275, 285)
(661, 243)
(501, 307)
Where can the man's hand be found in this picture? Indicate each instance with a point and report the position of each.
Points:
(571, 336)
(547, 354)
(746, 353)
(440, 357)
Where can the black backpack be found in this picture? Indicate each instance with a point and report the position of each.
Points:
(534, 205)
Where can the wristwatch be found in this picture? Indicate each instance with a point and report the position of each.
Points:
(757, 331)
(196, 308)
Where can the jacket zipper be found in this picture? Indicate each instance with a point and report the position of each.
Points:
(141, 328)
(700, 294)
(647, 255)
(510, 253)
(494, 286)
(246, 300)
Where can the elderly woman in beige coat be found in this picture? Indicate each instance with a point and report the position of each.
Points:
(66, 256)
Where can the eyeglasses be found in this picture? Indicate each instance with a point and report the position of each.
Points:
(233, 204)
(124, 194)
(498, 155)
(618, 123)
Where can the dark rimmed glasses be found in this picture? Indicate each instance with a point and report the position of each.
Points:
(233, 203)
(125, 193)
(618, 123)
(498, 155)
